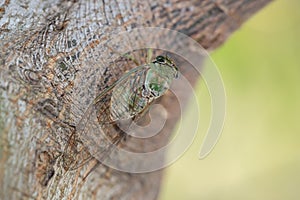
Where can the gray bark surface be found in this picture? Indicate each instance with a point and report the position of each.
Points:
(51, 68)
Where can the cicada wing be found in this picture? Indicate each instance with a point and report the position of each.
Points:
(91, 131)
(128, 98)
(99, 110)
(97, 129)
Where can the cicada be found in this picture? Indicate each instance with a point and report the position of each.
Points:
(127, 98)
(135, 90)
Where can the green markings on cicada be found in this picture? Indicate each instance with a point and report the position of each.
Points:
(156, 87)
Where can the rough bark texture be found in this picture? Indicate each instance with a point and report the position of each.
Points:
(48, 58)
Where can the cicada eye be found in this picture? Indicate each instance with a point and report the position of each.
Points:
(160, 59)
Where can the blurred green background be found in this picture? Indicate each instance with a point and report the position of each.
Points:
(258, 154)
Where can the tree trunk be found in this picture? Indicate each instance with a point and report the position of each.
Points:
(55, 58)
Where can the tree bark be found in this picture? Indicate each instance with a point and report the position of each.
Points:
(51, 70)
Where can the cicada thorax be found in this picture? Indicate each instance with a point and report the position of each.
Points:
(159, 79)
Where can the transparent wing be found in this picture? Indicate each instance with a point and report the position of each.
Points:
(97, 130)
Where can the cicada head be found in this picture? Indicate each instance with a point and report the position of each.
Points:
(167, 61)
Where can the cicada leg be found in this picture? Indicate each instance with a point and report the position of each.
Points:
(126, 55)
(149, 55)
